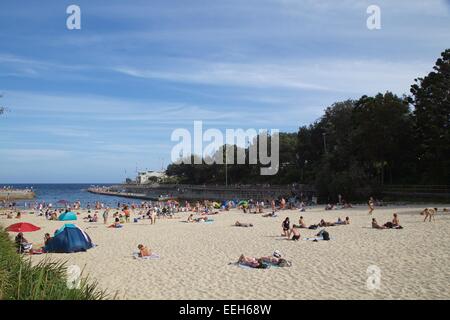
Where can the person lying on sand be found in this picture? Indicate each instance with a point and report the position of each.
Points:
(144, 251)
(242, 224)
(375, 224)
(342, 222)
(192, 219)
(323, 223)
(264, 262)
(272, 214)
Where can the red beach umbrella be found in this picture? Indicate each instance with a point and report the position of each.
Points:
(22, 227)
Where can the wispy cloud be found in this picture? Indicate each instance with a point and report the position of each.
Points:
(336, 75)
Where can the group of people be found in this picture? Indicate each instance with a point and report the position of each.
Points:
(294, 230)
(25, 246)
(394, 224)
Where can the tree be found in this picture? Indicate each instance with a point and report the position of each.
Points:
(383, 135)
(431, 101)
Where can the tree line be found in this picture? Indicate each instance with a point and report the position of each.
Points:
(357, 146)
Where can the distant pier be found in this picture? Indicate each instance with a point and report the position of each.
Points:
(16, 194)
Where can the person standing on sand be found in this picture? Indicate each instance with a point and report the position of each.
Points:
(152, 217)
(283, 204)
(286, 225)
(105, 216)
(371, 205)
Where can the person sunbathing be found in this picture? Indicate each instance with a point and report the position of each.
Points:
(347, 205)
(395, 224)
(323, 223)
(301, 223)
(22, 244)
(264, 262)
(295, 233)
(250, 261)
(242, 224)
(200, 219)
(47, 238)
(271, 214)
(375, 224)
(343, 222)
(144, 251)
(116, 224)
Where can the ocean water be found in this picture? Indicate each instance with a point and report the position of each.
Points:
(52, 193)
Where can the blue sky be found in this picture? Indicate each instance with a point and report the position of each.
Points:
(87, 105)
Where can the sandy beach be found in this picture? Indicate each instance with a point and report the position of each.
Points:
(194, 257)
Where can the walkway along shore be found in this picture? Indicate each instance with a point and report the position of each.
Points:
(195, 192)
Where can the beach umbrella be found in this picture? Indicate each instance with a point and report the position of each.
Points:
(22, 227)
(243, 203)
(67, 216)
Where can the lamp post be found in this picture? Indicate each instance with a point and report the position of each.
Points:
(226, 166)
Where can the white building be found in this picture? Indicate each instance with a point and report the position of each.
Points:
(145, 177)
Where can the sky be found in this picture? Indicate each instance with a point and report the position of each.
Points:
(96, 104)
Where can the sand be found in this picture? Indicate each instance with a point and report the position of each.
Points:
(194, 264)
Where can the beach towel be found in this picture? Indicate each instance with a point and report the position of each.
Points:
(315, 239)
(38, 251)
(153, 256)
(245, 266)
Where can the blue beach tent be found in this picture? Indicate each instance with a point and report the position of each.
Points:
(67, 216)
(69, 238)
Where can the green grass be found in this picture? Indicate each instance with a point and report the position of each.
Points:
(20, 280)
